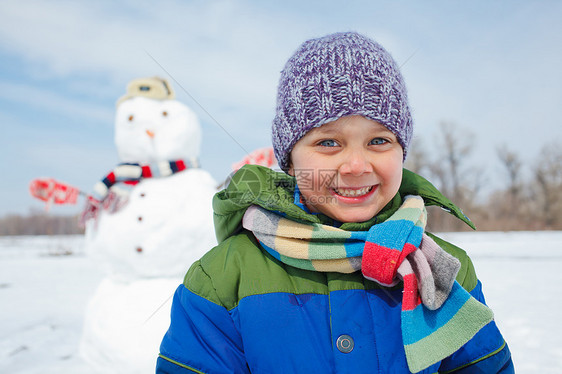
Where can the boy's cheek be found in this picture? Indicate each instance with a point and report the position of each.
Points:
(392, 168)
(305, 179)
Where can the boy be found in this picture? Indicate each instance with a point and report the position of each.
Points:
(328, 269)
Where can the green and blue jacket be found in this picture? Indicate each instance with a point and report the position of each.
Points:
(239, 310)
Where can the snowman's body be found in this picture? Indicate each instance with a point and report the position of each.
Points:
(123, 325)
(163, 228)
(148, 244)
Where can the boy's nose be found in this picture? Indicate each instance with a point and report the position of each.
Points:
(356, 163)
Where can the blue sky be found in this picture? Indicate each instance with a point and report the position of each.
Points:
(494, 68)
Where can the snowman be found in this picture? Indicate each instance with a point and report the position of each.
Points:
(154, 220)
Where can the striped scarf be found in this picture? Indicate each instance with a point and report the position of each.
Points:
(438, 315)
(127, 175)
(131, 174)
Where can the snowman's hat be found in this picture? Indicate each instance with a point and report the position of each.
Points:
(153, 88)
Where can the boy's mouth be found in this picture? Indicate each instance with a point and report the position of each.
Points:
(353, 192)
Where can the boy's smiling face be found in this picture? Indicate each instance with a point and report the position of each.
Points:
(348, 169)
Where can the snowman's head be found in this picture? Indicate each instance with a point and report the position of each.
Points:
(149, 129)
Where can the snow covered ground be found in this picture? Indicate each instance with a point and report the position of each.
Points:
(45, 284)
(521, 276)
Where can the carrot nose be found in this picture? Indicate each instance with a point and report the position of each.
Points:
(150, 133)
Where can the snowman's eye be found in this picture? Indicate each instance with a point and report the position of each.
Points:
(131, 118)
(164, 113)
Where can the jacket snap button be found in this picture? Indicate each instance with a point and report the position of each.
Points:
(345, 343)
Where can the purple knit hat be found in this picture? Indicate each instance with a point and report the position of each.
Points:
(335, 76)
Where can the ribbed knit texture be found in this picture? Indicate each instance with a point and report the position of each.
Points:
(335, 76)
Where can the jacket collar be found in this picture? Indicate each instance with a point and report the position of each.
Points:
(272, 190)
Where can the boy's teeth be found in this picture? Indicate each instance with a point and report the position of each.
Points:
(348, 192)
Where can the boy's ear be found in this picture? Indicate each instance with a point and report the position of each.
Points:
(291, 171)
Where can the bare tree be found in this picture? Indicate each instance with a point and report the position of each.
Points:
(456, 178)
(507, 208)
(521, 204)
(418, 160)
(548, 176)
(39, 223)
(510, 161)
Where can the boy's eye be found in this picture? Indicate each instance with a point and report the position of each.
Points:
(378, 141)
(328, 143)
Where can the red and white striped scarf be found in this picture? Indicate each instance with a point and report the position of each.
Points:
(132, 173)
(128, 175)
